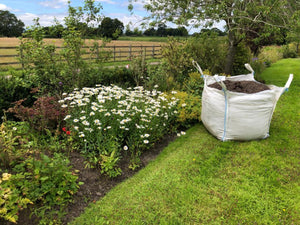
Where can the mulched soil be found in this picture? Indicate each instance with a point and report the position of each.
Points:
(248, 87)
(95, 184)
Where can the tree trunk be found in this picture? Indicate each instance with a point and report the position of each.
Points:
(233, 43)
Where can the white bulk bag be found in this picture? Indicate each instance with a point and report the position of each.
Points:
(238, 116)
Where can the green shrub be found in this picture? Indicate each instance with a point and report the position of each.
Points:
(178, 62)
(209, 51)
(47, 182)
(242, 56)
(288, 52)
(270, 54)
(45, 113)
(11, 199)
(156, 77)
(12, 89)
(189, 108)
(16, 143)
(194, 84)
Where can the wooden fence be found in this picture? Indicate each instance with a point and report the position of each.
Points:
(9, 56)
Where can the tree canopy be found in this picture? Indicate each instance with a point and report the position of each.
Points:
(10, 25)
(252, 19)
(111, 28)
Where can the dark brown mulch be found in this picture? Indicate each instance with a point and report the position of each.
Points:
(95, 184)
(248, 87)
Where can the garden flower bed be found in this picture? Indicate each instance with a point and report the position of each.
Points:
(108, 122)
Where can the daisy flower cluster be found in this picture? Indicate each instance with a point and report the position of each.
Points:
(133, 118)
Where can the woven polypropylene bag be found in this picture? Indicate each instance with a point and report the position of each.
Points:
(238, 116)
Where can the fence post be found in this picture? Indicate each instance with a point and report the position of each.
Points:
(114, 53)
(153, 48)
(129, 56)
(22, 58)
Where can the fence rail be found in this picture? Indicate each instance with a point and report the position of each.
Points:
(116, 53)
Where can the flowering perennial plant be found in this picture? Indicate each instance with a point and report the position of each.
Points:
(109, 120)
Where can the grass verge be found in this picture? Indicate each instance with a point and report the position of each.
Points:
(200, 180)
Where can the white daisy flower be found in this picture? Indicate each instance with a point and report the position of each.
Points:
(67, 117)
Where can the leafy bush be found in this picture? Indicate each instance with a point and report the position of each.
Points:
(156, 77)
(16, 143)
(178, 62)
(108, 119)
(45, 113)
(270, 54)
(14, 88)
(288, 52)
(47, 182)
(194, 84)
(120, 76)
(138, 69)
(189, 108)
(242, 56)
(209, 51)
(11, 200)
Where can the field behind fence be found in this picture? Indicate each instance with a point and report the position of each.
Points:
(115, 51)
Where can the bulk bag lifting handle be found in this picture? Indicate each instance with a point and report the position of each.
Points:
(196, 65)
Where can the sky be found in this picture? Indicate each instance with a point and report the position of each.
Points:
(47, 10)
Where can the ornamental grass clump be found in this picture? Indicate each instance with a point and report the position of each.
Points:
(109, 121)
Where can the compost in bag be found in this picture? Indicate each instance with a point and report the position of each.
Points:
(248, 87)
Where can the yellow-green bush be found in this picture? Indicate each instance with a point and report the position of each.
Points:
(11, 200)
(188, 107)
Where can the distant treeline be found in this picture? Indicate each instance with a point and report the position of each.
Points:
(10, 26)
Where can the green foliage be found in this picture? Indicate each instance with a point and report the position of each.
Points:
(105, 119)
(11, 200)
(242, 56)
(12, 89)
(16, 143)
(156, 78)
(189, 108)
(109, 164)
(209, 50)
(255, 21)
(138, 69)
(177, 61)
(10, 25)
(45, 113)
(200, 180)
(48, 182)
(60, 71)
(270, 54)
(194, 84)
(111, 28)
(289, 52)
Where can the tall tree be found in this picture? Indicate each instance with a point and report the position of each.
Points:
(241, 17)
(10, 25)
(111, 28)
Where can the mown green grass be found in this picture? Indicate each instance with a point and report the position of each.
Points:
(200, 180)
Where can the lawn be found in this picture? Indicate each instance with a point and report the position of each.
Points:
(200, 180)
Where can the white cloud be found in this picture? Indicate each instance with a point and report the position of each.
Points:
(45, 19)
(107, 1)
(4, 7)
(56, 4)
(132, 20)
